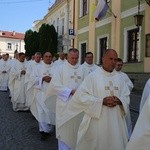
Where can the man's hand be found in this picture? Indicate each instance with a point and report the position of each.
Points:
(47, 79)
(23, 72)
(111, 101)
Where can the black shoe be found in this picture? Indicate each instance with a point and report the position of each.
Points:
(44, 135)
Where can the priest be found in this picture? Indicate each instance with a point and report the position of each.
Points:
(60, 60)
(103, 98)
(40, 79)
(4, 72)
(17, 78)
(88, 66)
(141, 136)
(28, 84)
(129, 84)
(65, 83)
(145, 94)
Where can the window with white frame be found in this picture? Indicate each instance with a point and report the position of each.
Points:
(9, 46)
(63, 23)
(58, 25)
(83, 7)
(102, 47)
(133, 45)
(82, 52)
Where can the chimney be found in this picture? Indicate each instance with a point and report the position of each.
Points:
(13, 33)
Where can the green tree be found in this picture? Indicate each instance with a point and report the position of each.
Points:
(44, 40)
(53, 40)
(47, 39)
(28, 42)
(31, 42)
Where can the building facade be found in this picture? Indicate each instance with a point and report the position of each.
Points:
(60, 16)
(10, 42)
(116, 30)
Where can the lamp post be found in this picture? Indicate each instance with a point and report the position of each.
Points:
(138, 17)
(148, 2)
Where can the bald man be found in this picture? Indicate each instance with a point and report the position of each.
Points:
(103, 98)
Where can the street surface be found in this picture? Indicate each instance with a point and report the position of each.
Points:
(19, 130)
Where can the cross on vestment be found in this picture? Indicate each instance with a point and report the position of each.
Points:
(47, 73)
(111, 88)
(75, 77)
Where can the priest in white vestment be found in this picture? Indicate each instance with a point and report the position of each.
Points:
(17, 78)
(28, 84)
(88, 66)
(60, 60)
(104, 98)
(140, 138)
(41, 78)
(12, 63)
(65, 82)
(4, 73)
(129, 83)
(145, 94)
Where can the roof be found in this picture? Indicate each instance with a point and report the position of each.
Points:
(12, 35)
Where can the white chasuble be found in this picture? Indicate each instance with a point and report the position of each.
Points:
(4, 75)
(102, 127)
(28, 82)
(145, 94)
(140, 138)
(38, 107)
(17, 86)
(129, 84)
(87, 69)
(66, 79)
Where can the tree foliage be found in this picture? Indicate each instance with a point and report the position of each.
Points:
(44, 40)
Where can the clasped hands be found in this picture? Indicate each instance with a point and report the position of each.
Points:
(4, 71)
(23, 72)
(47, 79)
(111, 101)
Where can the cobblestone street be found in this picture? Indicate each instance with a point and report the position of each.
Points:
(19, 130)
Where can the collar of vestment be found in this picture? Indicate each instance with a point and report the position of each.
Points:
(108, 73)
(36, 62)
(72, 66)
(47, 65)
(88, 65)
(61, 60)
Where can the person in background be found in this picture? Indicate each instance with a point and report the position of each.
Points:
(129, 84)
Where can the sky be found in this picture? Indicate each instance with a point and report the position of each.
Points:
(19, 15)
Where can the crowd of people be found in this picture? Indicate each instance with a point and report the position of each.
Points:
(86, 105)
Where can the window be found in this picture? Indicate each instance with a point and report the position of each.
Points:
(9, 46)
(133, 45)
(83, 7)
(83, 51)
(58, 25)
(147, 48)
(102, 48)
(63, 22)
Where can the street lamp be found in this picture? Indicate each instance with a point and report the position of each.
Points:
(148, 2)
(138, 17)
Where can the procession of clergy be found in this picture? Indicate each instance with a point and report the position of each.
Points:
(87, 104)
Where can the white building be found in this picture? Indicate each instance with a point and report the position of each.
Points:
(10, 42)
(60, 16)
